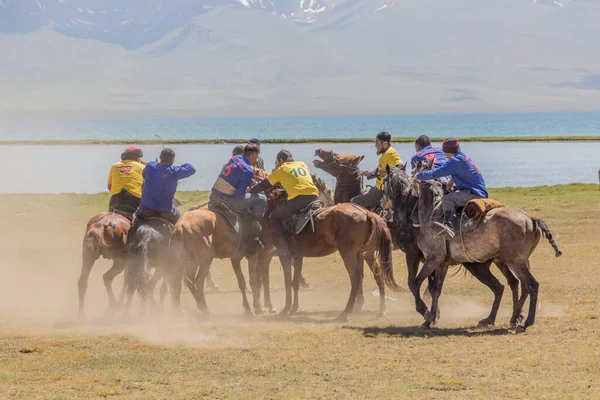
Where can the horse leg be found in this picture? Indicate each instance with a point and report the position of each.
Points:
(286, 265)
(429, 267)
(380, 285)
(354, 268)
(531, 285)
(296, 283)
(435, 288)
(194, 280)
(412, 264)
(264, 264)
(237, 268)
(211, 284)
(255, 284)
(82, 284)
(118, 266)
(482, 272)
(360, 297)
(513, 283)
(175, 282)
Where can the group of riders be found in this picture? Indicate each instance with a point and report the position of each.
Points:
(148, 189)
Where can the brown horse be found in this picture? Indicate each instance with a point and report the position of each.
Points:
(105, 236)
(202, 235)
(506, 235)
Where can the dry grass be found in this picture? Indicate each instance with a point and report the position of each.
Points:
(45, 355)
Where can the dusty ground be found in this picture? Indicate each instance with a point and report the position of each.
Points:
(44, 354)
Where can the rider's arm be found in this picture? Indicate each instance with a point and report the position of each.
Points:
(450, 168)
(261, 186)
(184, 171)
(110, 179)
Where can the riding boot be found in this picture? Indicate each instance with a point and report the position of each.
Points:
(447, 227)
(282, 246)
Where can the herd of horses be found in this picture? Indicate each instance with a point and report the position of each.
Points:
(504, 236)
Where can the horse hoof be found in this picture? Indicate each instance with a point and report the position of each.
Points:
(342, 318)
(249, 314)
(426, 325)
(284, 314)
(272, 310)
(429, 317)
(260, 311)
(294, 310)
(520, 329)
(485, 323)
(381, 314)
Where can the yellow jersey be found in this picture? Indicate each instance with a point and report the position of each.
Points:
(126, 175)
(389, 157)
(295, 179)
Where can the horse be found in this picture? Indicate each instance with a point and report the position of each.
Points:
(345, 168)
(202, 235)
(147, 246)
(105, 236)
(507, 235)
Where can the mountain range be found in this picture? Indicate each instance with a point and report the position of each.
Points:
(296, 57)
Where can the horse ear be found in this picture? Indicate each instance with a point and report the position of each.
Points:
(403, 167)
(430, 163)
(419, 165)
(359, 160)
(387, 169)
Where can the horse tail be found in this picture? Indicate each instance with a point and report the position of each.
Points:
(543, 226)
(137, 248)
(379, 243)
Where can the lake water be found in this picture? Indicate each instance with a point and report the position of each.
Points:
(84, 169)
(434, 125)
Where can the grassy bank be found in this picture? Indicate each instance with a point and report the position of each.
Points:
(294, 140)
(308, 356)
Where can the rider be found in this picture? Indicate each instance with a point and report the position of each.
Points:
(388, 156)
(467, 182)
(125, 180)
(238, 150)
(232, 184)
(260, 163)
(425, 153)
(160, 185)
(296, 180)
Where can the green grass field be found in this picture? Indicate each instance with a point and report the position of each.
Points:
(45, 355)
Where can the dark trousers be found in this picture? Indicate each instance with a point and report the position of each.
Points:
(172, 216)
(370, 200)
(123, 201)
(287, 211)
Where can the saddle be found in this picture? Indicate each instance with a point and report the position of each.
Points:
(467, 218)
(301, 219)
(124, 210)
(243, 223)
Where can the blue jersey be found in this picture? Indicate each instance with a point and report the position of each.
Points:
(160, 184)
(235, 177)
(464, 173)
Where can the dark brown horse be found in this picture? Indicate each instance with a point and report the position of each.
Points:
(202, 235)
(105, 236)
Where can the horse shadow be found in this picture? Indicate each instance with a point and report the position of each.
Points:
(417, 331)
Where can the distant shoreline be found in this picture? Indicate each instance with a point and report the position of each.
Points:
(293, 140)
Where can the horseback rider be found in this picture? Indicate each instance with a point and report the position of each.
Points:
(388, 156)
(296, 180)
(260, 163)
(466, 181)
(425, 153)
(160, 185)
(125, 181)
(233, 182)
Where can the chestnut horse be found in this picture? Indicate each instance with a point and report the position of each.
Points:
(105, 236)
